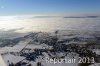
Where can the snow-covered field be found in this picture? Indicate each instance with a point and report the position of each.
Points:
(35, 47)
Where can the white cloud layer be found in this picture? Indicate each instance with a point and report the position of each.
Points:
(47, 23)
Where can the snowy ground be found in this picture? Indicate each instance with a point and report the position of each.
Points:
(14, 55)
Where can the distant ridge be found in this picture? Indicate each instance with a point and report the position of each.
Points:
(65, 16)
(82, 17)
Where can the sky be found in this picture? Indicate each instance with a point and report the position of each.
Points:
(18, 7)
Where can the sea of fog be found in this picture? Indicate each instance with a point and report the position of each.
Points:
(22, 24)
